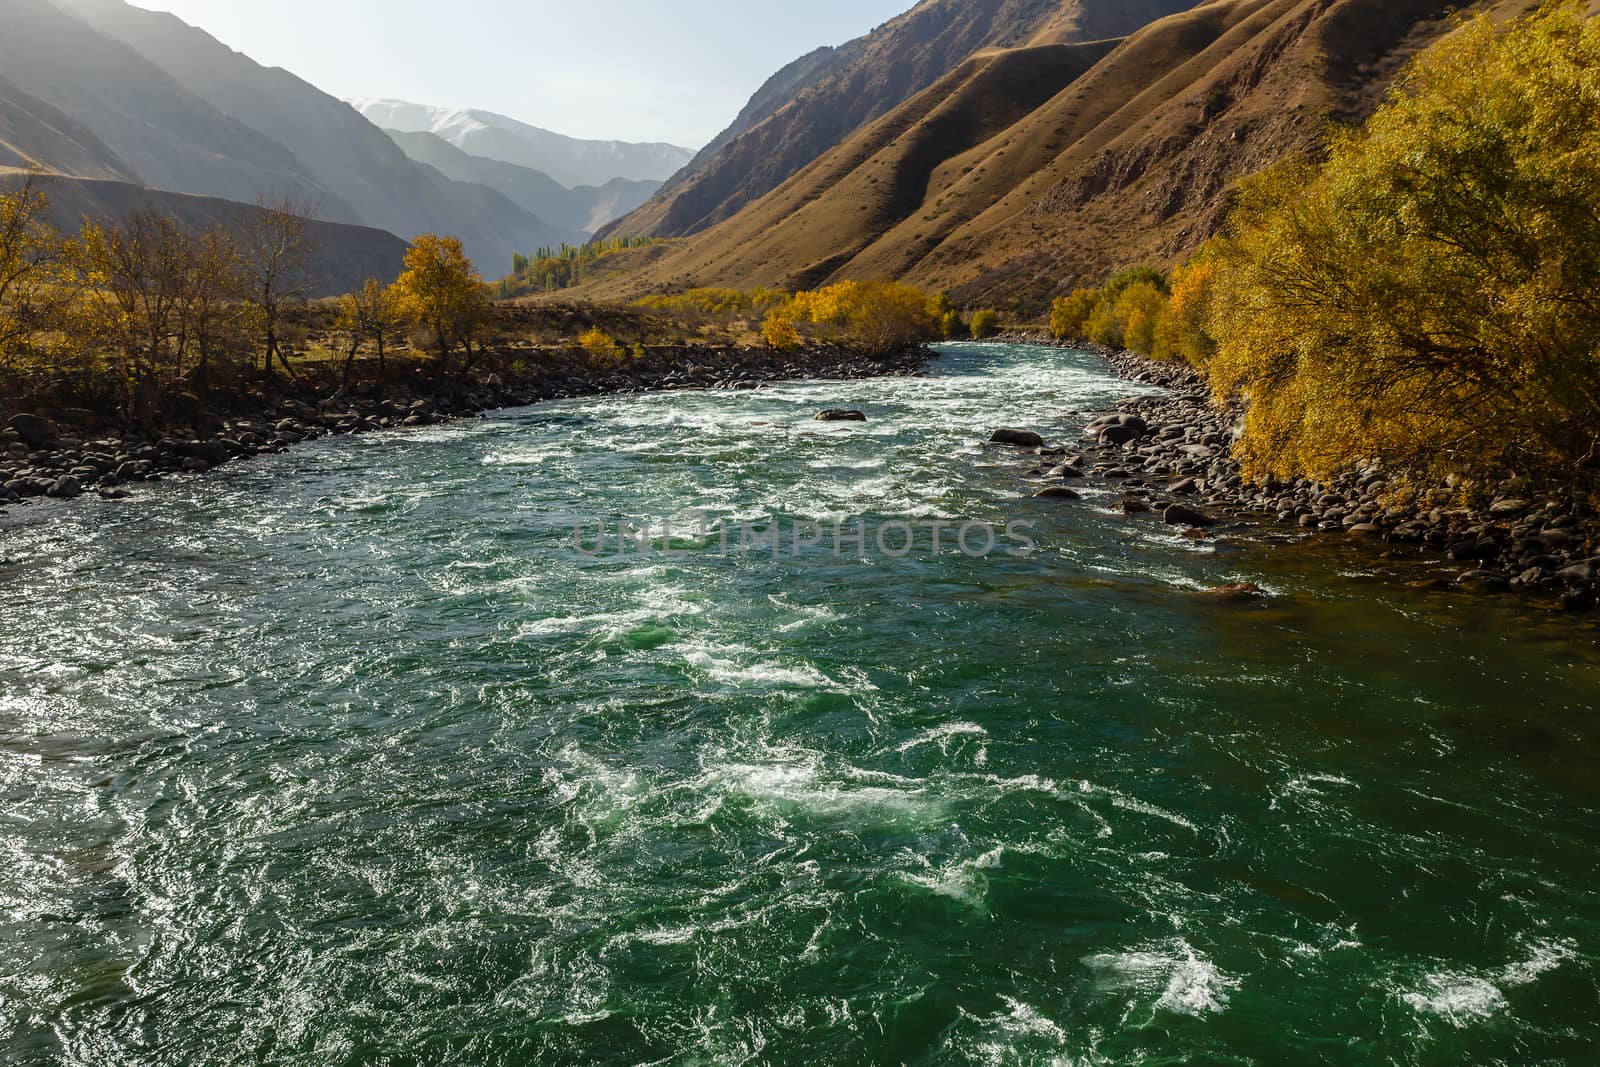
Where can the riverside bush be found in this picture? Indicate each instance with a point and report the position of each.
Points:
(1428, 297)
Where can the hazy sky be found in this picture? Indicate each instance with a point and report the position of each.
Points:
(638, 70)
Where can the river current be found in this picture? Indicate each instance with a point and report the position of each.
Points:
(350, 755)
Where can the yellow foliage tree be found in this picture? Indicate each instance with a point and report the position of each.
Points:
(373, 314)
(1138, 312)
(1070, 314)
(600, 346)
(30, 274)
(780, 332)
(985, 324)
(878, 317)
(441, 291)
(1427, 298)
(1182, 332)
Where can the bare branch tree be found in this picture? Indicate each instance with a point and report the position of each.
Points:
(275, 247)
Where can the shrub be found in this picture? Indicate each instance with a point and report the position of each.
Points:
(1070, 314)
(600, 345)
(1426, 298)
(985, 324)
(780, 332)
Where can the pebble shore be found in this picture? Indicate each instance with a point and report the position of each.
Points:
(63, 456)
(1170, 455)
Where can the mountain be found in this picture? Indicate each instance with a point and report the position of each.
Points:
(1028, 170)
(345, 255)
(31, 130)
(570, 161)
(158, 130)
(818, 101)
(360, 175)
(585, 208)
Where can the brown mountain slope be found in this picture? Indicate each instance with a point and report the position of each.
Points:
(817, 102)
(1005, 200)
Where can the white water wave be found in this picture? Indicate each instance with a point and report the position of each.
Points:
(1170, 976)
(962, 881)
(1465, 997)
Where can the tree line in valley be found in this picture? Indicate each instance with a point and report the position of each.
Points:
(141, 314)
(1426, 297)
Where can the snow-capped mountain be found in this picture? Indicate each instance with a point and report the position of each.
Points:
(569, 160)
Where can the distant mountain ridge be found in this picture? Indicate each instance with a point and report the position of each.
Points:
(166, 135)
(570, 161)
(345, 255)
(105, 91)
(584, 208)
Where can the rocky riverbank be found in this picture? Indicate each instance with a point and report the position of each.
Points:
(68, 454)
(1170, 456)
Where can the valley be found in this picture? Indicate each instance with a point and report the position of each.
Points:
(1036, 532)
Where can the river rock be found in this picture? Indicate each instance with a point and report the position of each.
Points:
(1020, 438)
(1056, 492)
(841, 415)
(1178, 515)
(1587, 571)
(65, 487)
(1132, 505)
(1484, 581)
(1365, 529)
(36, 432)
(1506, 508)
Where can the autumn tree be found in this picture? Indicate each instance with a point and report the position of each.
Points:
(441, 291)
(275, 249)
(985, 324)
(139, 272)
(1069, 315)
(779, 331)
(372, 314)
(30, 260)
(877, 317)
(211, 318)
(1183, 330)
(1430, 297)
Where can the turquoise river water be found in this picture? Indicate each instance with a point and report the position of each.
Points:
(350, 756)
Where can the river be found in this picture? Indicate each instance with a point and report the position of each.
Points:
(351, 755)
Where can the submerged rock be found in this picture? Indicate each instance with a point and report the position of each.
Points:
(1179, 515)
(1235, 593)
(841, 415)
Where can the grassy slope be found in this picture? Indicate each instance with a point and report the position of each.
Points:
(819, 106)
(979, 187)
